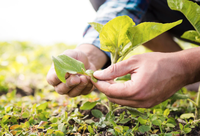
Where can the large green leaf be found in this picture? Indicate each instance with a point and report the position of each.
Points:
(191, 35)
(148, 30)
(113, 34)
(64, 64)
(190, 9)
(96, 26)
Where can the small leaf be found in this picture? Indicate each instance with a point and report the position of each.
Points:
(166, 112)
(134, 111)
(118, 128)
(5, 118)
(42, 106)
(178, 96)
(142, 121)
(97, 113)
(16, 127)
(157, 122)
(62, 127)
(113, 34)
(124, 78)
(96, 26)
(148, 30)
(191, 35)
(64, 64)
(180, 126)
(144, 128)
(187, 115)
(25, 115)
(90, 129)
(170, 125)
(59, 133)
(190, 9)
(125, 120)
(187, 130)
(88, 105)
(90, 73)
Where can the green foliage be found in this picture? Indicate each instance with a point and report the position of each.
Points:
(64, 64)
(191, 10)
(148, 30)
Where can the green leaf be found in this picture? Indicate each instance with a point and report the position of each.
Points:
(5, 118)
(64, 64)
(134, 111)
(97, 113)
(178, 96)
(190, 9)
(61, 127)
(157, 122)
(90, 73)
(191, 35)
(42, 106)
(96, 26)
(124, 78)
(168, 134)
(180, 126)
(113, 34)
(148, 30)
(187, 115)
(25, 115)
(142, 121)
(187, 130)
(88, 105)
(144, 128)
(166, 112)
(124, 120)
(118, 128)
(59, 133)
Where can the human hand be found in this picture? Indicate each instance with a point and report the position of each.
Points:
(154, 78)
(75, 84)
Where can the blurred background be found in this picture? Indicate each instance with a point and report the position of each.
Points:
(31, 32)
(44, 21)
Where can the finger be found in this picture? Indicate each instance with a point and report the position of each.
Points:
(115, 70)
(131, 103)
(116, 90)
(77, 90)
(71, 82)
(89, 88)
(52, 78)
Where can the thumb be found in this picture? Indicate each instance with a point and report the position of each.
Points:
(113, 71)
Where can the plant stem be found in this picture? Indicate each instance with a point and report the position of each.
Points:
(127, 52)
(114, 58)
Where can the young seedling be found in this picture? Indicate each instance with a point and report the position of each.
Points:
(191, 11)
(119, 36)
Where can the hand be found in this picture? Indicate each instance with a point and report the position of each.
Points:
(154, 78)
(75, 84)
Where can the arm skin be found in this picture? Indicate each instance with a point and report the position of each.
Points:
(154, 77)
(92, 57)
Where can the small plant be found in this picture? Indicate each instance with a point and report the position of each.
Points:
(119, 36)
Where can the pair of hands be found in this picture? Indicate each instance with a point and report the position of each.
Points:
(154, 78)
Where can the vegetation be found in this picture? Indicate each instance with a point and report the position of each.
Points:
(30, 107)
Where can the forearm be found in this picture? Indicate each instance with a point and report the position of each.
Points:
(190, 60)
(95, 56)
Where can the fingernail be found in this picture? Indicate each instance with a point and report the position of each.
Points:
(98, 73)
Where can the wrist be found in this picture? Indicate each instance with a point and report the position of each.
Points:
(190, 62)
(95, 56)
